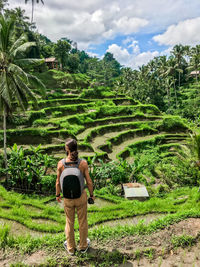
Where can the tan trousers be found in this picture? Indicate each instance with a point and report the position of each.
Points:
(80, 205)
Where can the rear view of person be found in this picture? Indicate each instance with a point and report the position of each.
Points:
(71, 174)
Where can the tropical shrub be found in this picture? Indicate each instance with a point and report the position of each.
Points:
(179, 172)
(111, 173)
(174, 124)
(27, 169)
(48, 184)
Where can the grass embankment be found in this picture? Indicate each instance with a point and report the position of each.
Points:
(178, 205)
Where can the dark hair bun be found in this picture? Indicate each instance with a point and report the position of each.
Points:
(74, 155)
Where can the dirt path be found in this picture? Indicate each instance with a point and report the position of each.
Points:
(100, 140)
(132, 220)
(155, 250)
(161, 251)
(17, 229)
(82, 135)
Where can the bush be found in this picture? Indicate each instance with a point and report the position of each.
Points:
(97, 92)
(181, 172)
(111, 173)
(26, 170)
(48, 183)
(174, 124)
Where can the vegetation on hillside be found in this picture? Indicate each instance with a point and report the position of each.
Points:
(124, 123)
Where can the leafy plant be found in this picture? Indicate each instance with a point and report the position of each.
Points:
(111, 173)
(27, 171)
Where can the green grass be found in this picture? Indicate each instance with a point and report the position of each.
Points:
(122, 208)
(183, 241)
(165, 205)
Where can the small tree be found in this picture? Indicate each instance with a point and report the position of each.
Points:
(61, 49)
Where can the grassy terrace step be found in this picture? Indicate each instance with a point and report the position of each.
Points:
(72, 91)
(89, 111)
(54, 148)
(112, 120)
(82, 154)
(116, 149)
(125, 136)
(59, 95)
(33, 136)
(86, 155)
(139, 145)
(65, 101)
(98, 114)
(61, 101)
(68, 109)
(65, 91)
(116, 128)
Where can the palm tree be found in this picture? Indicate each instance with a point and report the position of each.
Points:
(14, 80)
(170, 72)
(194, 63)
(33, 3)
(179, 52)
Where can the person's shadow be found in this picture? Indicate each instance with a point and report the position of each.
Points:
(100, 256)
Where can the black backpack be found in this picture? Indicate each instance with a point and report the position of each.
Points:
(71, 180)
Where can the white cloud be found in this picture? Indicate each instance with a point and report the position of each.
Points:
(91, 54)
(127, 25)
(144, 58)
(86, 21)
(185, 32)
(121, 54)
(135, 47)
(91, 22)
(132, 59)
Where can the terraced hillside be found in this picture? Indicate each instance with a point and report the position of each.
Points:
(113, 128)
(108, 128)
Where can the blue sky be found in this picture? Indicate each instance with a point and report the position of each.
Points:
(145, 41)
(135, 31)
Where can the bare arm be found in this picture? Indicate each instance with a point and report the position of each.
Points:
(88, 179)
(58, 189)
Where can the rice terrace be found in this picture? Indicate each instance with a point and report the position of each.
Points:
(136, 126)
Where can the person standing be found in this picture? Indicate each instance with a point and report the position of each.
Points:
(76, 199)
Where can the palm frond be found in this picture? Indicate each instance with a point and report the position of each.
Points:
(22, 39)
(19, 96)
(37, 83)
(6, 30)
(23, 48)
(6, 90)
(16, 70)
(22, 87)
(29, 62)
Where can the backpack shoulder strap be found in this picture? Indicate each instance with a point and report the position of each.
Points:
(63, 162)
(79, 161)
(71, 164)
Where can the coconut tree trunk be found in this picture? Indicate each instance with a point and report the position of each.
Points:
(5, 142)
(168, 95)
(32, 11)
(175, 93)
